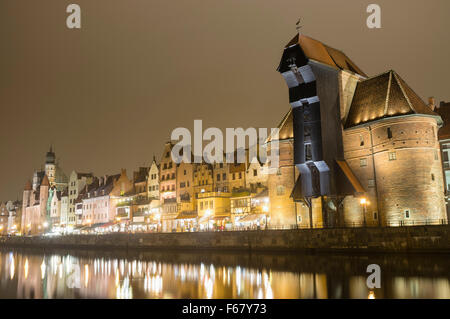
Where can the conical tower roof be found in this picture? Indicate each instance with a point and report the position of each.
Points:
(45, 181)
(28, 186)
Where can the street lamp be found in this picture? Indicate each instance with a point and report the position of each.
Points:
(363, 202)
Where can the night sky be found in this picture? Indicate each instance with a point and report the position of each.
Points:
(108, 96)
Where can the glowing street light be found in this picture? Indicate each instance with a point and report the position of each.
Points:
(363, 201)
(45, 224)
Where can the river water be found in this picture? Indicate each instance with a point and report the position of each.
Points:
(94, 274)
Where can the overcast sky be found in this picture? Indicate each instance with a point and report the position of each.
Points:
(108, 96)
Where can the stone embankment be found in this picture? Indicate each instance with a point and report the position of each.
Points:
(395, 239)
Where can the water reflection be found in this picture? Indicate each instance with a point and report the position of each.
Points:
(77, 275)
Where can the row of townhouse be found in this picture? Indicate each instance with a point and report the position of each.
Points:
(10, 217)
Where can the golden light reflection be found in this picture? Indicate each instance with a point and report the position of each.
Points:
(86, 275)
(371, 295)
(12, 268)
(43, 268)
(26, 268)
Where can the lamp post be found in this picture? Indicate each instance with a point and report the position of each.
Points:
(363, 202)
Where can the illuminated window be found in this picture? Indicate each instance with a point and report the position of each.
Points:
(363, 162)
(407, 213)
(392, 156)
(280, 190)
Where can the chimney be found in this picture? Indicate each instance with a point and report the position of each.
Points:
(431, 103)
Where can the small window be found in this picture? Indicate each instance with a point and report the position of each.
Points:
(280, 190)
(363, 162)
(224, 176)
(436, 156)
(407, 213)
(389, 132)
(371, 183)
(299, 218)
(361, 140)
(375, 215)
(392, 156)
(432, 177)
(255, 172)
(218, 177)
(279, 171)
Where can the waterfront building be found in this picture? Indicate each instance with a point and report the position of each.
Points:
(140, 179)
(221, 176)
(100, 204)
(256, 175)
(186, 201)
(14, 209)
(77, 182)
(393, 149)
(443, 109)
(153, 180)
(167, 189)
(354, 150)
(250, 210)
(35, 207)
(54, 207)
(214, 210)
(4, 214)
(237, 174)
(64, 208)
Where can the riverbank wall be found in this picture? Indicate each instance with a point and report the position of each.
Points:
(434, 239)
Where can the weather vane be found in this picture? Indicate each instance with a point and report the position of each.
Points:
(298, 26)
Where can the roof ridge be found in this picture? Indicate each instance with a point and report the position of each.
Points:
(377, 75)
(404, 92)
(388, 93)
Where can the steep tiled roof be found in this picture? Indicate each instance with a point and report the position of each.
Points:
(383, 96)
(316, 50)
(28, 186)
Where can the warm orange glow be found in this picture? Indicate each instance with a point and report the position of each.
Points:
(363, 201)
(371, 295)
